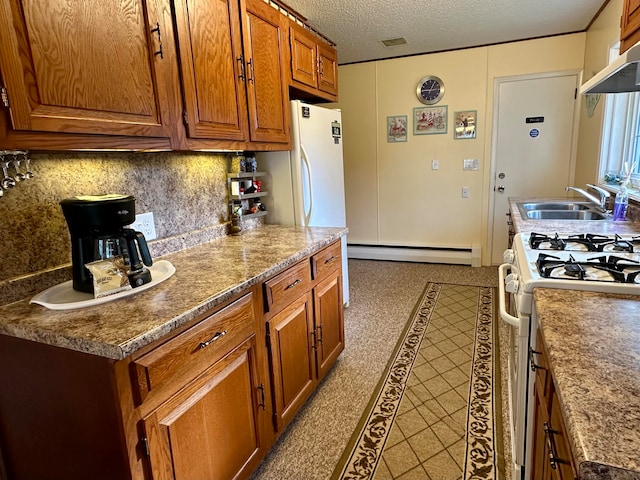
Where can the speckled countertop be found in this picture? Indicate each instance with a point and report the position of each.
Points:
(593, 342)
(206, 275)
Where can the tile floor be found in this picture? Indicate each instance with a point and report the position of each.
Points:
(427, 441)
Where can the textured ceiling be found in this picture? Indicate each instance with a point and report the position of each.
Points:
(358, 26)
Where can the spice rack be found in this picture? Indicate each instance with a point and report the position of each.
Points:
(249, 201)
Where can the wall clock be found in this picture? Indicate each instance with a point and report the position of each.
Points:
(430, 90)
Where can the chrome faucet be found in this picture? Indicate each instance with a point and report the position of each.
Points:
(600, 202)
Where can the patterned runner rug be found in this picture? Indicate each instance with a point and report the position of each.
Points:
(432, 414)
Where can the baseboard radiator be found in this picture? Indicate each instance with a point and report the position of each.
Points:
(449, 255)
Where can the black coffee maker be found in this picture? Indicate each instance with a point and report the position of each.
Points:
(97, 227)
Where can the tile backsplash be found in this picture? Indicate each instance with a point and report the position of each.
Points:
(185, 191)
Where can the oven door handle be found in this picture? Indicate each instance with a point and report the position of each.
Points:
(510, 319)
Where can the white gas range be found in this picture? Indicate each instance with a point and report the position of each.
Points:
(597, 263)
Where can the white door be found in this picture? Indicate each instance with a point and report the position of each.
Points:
(534, 125)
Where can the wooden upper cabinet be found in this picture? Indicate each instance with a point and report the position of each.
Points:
(212, 68)
(90, 69)
(630, 24)
(314, 63)
(265, 40)
(328, 66)
(304, 56)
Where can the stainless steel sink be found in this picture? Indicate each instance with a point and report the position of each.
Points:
(554, 206)
(560, 210)
(564, 215)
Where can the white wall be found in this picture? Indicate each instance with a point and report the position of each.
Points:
(393, 196)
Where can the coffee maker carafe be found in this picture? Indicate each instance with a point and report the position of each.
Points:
(97, 225)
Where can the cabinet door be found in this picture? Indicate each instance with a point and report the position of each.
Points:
(630, 24)
(304, 61)
(265, 37)
(75, 67)
(210, 430)
(328, 65)
(327, 298)
(541, 468)
(212, 68)
(290, 339)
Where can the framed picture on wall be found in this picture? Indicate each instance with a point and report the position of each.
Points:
(429, 120)
(397, 128)
(465, 124)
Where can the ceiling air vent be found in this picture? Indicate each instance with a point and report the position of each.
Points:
(392, 42)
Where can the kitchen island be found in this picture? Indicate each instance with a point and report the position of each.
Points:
(195, 377)
(590, 350)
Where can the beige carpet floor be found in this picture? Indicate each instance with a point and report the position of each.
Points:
(383, 295)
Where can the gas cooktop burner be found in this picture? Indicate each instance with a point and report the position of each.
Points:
(603, 268)
(583, 242)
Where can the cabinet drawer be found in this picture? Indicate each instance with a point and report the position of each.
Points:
(184, 357)
(286, 287)
(326, 261)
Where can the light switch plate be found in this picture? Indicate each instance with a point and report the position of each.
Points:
(144, 223)
(435, 164)
(465, 192)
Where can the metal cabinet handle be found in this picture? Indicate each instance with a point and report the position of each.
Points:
(291, 285)
(217, 336)
(534, 367)
(329, 260)
(240, 60)
(156, 30)
(548, 433)
(262, 404)
(319, 327)
(251, 78)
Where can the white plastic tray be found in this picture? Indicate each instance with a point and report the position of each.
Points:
(64, 297)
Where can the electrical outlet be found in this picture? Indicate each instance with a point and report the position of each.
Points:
(470, 164)
(435, 165)
(465, 192)
(144, 223)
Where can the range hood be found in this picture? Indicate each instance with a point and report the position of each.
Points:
(621, 75)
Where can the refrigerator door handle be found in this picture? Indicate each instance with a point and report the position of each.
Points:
(305, 160)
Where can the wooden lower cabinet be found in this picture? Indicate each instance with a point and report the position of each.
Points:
(290, 340)
(305, 338)
(210, 430)
(327, 301)
(552, 457)
(198, 404)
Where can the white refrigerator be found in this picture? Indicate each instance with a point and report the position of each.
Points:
(306, 185)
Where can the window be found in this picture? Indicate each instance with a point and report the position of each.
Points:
(620, 145)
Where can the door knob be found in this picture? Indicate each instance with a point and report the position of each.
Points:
(500, 188)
